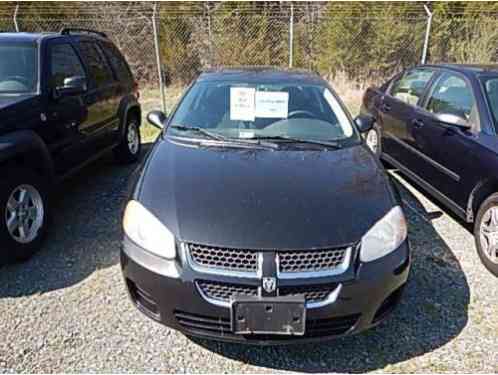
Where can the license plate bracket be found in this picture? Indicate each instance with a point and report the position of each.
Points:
(268, 315)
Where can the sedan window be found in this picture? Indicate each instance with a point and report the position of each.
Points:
(491, 86)
(453, 96)
(411, 86)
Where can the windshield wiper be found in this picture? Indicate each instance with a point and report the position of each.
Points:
(205, 132)
(222, 138)
(285, 138)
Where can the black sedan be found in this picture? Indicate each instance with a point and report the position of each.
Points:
(260, 215)
(438, 125)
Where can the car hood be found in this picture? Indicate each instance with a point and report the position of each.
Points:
(263, 199)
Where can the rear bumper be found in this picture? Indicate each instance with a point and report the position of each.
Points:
(166, 292)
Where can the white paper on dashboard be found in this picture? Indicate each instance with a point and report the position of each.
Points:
(242, 103)
(272, 104)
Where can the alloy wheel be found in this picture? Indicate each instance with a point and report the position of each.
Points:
(488, 233)
(24, 214)
(372, 140)
(133, 138)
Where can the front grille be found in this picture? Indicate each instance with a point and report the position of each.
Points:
(223, 258)
(312, 293)
(223, 291)
(221, 326)
(321, 260)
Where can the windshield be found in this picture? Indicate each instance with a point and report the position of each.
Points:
(257, 111)
(18, 72)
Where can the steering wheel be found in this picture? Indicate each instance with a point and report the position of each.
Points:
(19, 79)
(300, 113)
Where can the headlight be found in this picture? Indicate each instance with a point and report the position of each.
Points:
(147, 231)
(385, 236)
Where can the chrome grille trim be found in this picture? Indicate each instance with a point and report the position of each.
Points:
(341, 268)
(330, 299)
(257, 274)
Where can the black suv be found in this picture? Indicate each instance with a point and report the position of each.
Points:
(65, 99)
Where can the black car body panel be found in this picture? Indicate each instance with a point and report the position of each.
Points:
(263, 201)
(200, 192)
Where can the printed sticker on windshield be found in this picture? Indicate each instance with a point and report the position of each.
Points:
(242, 103)
(272, 104)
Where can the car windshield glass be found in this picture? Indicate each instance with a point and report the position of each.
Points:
(491, 88)
(280, 112)
(18, 68)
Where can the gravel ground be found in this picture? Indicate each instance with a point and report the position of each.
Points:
(66, 310)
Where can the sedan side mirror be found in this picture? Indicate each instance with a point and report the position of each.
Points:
(452, 120)
(364, 123)
(157, 119)
(72, 86)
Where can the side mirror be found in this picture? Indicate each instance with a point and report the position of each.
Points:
(72, 86)
(364, 123)
(157, 119)
(452, 120)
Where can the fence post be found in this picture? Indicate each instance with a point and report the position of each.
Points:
(15, 17)
(291, 35)
(427, 33)
(158, 58)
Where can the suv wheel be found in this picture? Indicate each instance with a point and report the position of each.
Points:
(486, 233)
(129, 148)
(24, 208)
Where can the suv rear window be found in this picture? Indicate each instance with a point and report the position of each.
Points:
(100, 72)
(118, 62)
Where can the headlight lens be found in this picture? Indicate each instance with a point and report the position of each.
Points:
(147, 231)
(385, 236)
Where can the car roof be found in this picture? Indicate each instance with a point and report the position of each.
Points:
(468, 69)
(23, 37)
(270, 74)
(35, 37)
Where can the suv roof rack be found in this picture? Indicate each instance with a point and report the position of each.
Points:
(69, 30)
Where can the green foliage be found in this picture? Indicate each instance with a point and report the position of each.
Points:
(361, 41)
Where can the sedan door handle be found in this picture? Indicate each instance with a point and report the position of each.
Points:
(418, 123)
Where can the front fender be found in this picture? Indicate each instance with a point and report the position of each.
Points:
(27, 146)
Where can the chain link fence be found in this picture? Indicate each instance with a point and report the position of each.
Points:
(352, 45)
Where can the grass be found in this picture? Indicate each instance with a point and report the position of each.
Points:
(150, 99)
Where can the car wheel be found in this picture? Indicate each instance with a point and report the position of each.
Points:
(128, 150)
(486, 233)
(24, 213)
(373, 140)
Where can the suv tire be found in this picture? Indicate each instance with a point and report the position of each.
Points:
(24, 214)
(486, 230)
(129, 149)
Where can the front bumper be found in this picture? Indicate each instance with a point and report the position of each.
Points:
(166, 291)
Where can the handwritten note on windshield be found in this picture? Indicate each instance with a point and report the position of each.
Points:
(272, 104)
(242, 106)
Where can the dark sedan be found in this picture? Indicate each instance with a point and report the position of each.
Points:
(438, 124)
(260, 215)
